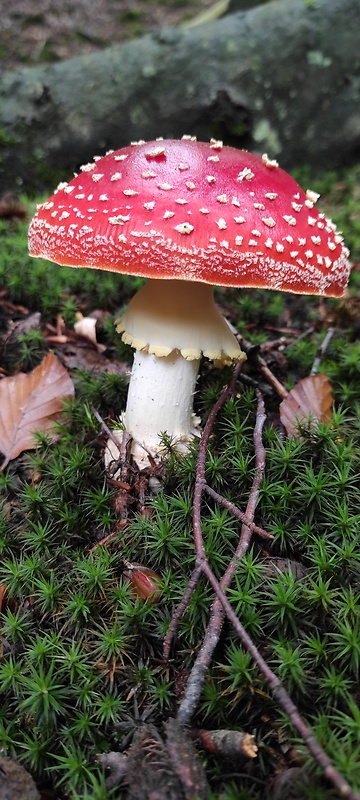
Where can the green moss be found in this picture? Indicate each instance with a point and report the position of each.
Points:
(5, 139)
(84, 622)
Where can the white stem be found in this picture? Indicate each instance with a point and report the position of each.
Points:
(160, 400)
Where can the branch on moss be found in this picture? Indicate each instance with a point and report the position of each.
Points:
(214, 628)
(322, 350)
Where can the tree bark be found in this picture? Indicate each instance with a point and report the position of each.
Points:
(283, 77)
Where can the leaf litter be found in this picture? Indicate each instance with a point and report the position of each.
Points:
(31, 402)
(310, 400)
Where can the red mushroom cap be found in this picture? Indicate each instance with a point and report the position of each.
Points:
(192, 211)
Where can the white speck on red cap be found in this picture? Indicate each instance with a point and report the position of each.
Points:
(269, 162)
(184, 227)
(312, 196)
(246, 174)
(88, 167)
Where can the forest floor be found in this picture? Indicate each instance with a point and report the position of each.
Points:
(82, 670)
(51, 30)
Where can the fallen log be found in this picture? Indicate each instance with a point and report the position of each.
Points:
(283, 77)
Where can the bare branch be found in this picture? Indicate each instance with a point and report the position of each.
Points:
(237, 513)
(179, 611)
(253, 354)
(196, 680)
(322, 350)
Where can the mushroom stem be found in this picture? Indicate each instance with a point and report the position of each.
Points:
(160, 399)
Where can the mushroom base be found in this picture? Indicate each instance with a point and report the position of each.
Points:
(160, 400)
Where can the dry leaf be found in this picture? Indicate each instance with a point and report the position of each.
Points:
(31, 402)
(310, 398)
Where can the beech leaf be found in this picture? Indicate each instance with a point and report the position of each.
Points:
(31, 402)
(311, 398)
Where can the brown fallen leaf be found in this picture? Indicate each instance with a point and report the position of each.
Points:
(311, 398)
(31, 402)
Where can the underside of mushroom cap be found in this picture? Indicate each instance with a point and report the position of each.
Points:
(166, 315)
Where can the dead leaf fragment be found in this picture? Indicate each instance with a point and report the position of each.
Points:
(311, 398)
(31, 402)
(86, 326)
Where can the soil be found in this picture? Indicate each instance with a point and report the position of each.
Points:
(51, 30)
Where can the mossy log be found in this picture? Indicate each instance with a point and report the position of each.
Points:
(283, 77)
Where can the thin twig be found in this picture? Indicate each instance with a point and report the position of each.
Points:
(237, 513)
(322, 350)
(179, 612)
(106, 429)
(199, 484)
(201, 461)
(305, 334)
(222, 605)
(212, 634)
(253, 353)
(275, 344)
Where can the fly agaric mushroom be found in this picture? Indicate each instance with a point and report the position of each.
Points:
(187, 215)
